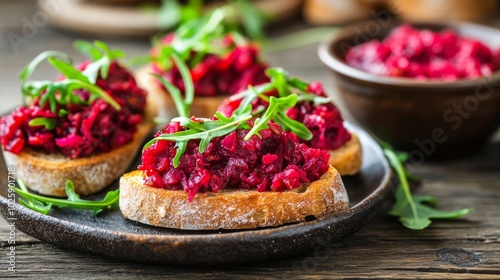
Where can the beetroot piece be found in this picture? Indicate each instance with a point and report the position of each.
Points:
(219, 75)
(275, 162)
(424, 54)
(85, 130)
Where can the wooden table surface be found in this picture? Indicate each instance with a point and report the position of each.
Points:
(461, 249)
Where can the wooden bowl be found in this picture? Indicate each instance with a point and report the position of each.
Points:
(428, 118)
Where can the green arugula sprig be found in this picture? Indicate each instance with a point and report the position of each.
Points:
(172, 14)
(195, 35)
(43, 204)
(182, 105)
(204, 130)
(285, 86)
(101, 55)
(62, 92)
(207, 129)
(201, 35)
(411, 209)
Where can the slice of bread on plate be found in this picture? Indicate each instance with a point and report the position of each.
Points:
(230, 208)
(47, 173)
(347, 159)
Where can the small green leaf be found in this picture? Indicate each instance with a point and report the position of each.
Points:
(276, 105)
(186, 78)
(28, 70)
(411, 210)
(294, 126)
(181, 148)
(67, 69)
(49, 123)
(43, 204)
(88, 49)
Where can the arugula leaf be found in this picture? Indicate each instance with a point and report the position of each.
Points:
(43, 204)
(199, 34)
(276, 106)
(411, 210)
(61, 92)
(182, 105)
(204, 130)
(31, 203)
(49, 123)
(294, 126)
(285, 86)
(28, 70)
(101, 55)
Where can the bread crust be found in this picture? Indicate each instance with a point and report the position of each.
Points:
(48, 173)
(230, 209)
(347, 159)
(202, 107)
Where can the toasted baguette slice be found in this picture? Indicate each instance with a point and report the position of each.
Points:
(202, 107)
(48, 173)
(347, 158)
(230, 209)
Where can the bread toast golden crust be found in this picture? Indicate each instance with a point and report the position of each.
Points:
(347, 159)
(202, 107)
(48, 173)
(230, 209)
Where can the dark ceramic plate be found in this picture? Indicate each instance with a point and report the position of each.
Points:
(112, 236)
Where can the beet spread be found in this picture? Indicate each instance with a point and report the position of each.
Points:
(218, 75)
(85, 130)
(277, 162)
(424, 54)
(323, 120)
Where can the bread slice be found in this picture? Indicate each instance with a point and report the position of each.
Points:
(347, 159)
(48, 173)
(230, 208)
(202, 107)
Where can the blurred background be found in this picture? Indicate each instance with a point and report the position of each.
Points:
(289, 30)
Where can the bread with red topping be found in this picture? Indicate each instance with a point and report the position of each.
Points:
(48, 173)
(230, 208)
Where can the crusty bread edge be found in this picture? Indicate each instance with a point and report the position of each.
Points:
(202, 107)
(48, 173)
(347, 159)
(230, 209)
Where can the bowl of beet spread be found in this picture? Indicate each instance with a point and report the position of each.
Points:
(237, 66)
(432, 89)
(81, 130)
(274, 162)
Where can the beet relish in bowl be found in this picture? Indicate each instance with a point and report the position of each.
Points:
(425, 54)
(432, 89)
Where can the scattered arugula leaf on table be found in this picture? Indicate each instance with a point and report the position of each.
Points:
(43, 204)
(411, 209)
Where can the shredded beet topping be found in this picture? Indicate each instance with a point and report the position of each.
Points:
(277, 162)
(323, 120)
(219, 75)
(85, 130)
(424, 54)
